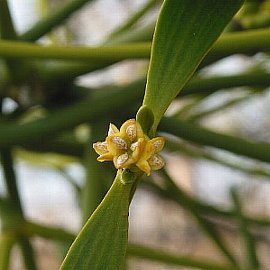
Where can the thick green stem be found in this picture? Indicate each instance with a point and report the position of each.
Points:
(67, 118)
(246, 42)
(55, 18)
(243, 42)
(197, 116)
(103, 54)
(212, 84)
(197, 134)
(255, 21)
(73, 149)
(198, 153)
(249, 243)
(30, 229)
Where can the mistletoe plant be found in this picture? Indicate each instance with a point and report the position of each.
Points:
(187, 36)
(183, 35)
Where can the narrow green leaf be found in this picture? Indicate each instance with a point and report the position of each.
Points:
(184, 33)
(102, 242)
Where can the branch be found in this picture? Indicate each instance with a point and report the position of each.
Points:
(197, 134)
(67, 118)
(55, 18)
(243, 42)
(11, 49)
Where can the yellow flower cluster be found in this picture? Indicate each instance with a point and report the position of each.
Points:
(129, 148)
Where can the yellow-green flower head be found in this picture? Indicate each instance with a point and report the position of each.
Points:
(130, 148)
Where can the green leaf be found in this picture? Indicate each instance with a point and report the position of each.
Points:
(184, 33)
(102, 242)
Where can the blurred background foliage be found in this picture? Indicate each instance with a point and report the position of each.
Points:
(209, 208)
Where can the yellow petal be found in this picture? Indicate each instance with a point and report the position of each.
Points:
(128, 130)
(119, 142)
(144, 166)
(121, 161)
(148, 151)
(105, 157)
(156, 162)
(116, 145)
(100, 147)
(158, 143)
(112, 129)
(137, 149)
(131, 132)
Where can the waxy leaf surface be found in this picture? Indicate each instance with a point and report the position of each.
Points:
(184, 33)
(102, 242)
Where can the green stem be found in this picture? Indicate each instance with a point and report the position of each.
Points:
(195, 117)
(55, 18)
(103, 54)
(67, 118)
(259, 20)
(6, 243)
(201, 153)
(212, 84)
(10, 179)
(133, 19)
(74, 149)
(243, 42)
(134, 35)
(234, 43)
(168, 258)
(197, 134)
(27, 254)
(250, 248)
(13, 194)
(96, 175)
(59, 70)
(30, 229)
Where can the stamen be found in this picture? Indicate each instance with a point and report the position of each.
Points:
(119, 143)
(100, 147)
(121, 160)
(158, 144)
(156, 162)
(134, 146)
(131, 132)
(112, 130)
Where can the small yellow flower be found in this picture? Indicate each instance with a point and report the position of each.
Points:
(130, 148)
